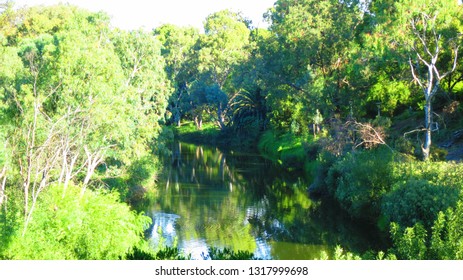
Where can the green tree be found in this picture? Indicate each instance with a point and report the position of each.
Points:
(222, 48)
(178, 49)
(313, 42)
(249, 105)
(146, 86)
(73, 103)
(426, 32)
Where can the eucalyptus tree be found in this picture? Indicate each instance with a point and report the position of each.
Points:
(221, 49)
(423, 37)
(178, 47)
(64, 107)
(10, 63)
(433, 28)
(313, 41)
(72, 95)
(7, 69)
(146, 86)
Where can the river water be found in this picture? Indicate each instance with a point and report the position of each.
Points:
(208, 197)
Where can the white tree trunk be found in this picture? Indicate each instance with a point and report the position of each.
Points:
(428, 123)
(3, 184)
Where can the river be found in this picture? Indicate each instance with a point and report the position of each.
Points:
(208, 197)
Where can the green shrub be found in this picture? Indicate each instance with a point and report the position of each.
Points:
(443, 242)
(360, 180)
(405, 146)
(438, 154)
(143, 172)
(325, 161)
(447, 235)
(410, 243)
(442, 173)
(95, 226)
(417, 201)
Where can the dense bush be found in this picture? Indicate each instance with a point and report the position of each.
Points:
(370, 183)
(410, 243)
(417, 201)
(320, 170)
(442, 242)
(95, 226)
(446, 241)
(446, 174)
(359, 181)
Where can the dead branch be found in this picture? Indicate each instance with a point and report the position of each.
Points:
(369, 136)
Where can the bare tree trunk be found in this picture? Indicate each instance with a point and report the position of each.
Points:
(426, 48)
(29, 156)
(220, 117)
(3, 184)
(93, 160)
(63, 166)
(426, 147)
(177, 117)
(178, 120)
(199, 121)
(68, 173)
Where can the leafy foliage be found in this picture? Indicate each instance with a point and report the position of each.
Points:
(167, 253)
(442, 242)
(359, 181)
(81, 104)
(95, 226)
(418, 201)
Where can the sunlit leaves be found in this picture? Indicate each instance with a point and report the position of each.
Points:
(93, 227)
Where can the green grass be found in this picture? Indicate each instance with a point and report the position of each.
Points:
(287, 149)
(188, 132)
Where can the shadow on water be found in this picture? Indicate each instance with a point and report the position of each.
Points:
(241, 201)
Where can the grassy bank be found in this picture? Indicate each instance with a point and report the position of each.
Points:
(188, 132)
(211, 134)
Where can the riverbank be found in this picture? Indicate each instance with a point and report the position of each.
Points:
(211, 134)
(209, 197)
(400, 195)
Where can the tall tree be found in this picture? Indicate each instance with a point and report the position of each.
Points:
(146, 84)
(432, 32)
(314, 40)
(222, 47)
(73, 96)
(178, 49)
(421, 38)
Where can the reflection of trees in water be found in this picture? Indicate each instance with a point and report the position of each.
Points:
(246, 203)
(196, 165)
(206, 193)
(294, 218)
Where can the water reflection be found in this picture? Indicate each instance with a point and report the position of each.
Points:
(163, 229)
(244, 202)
